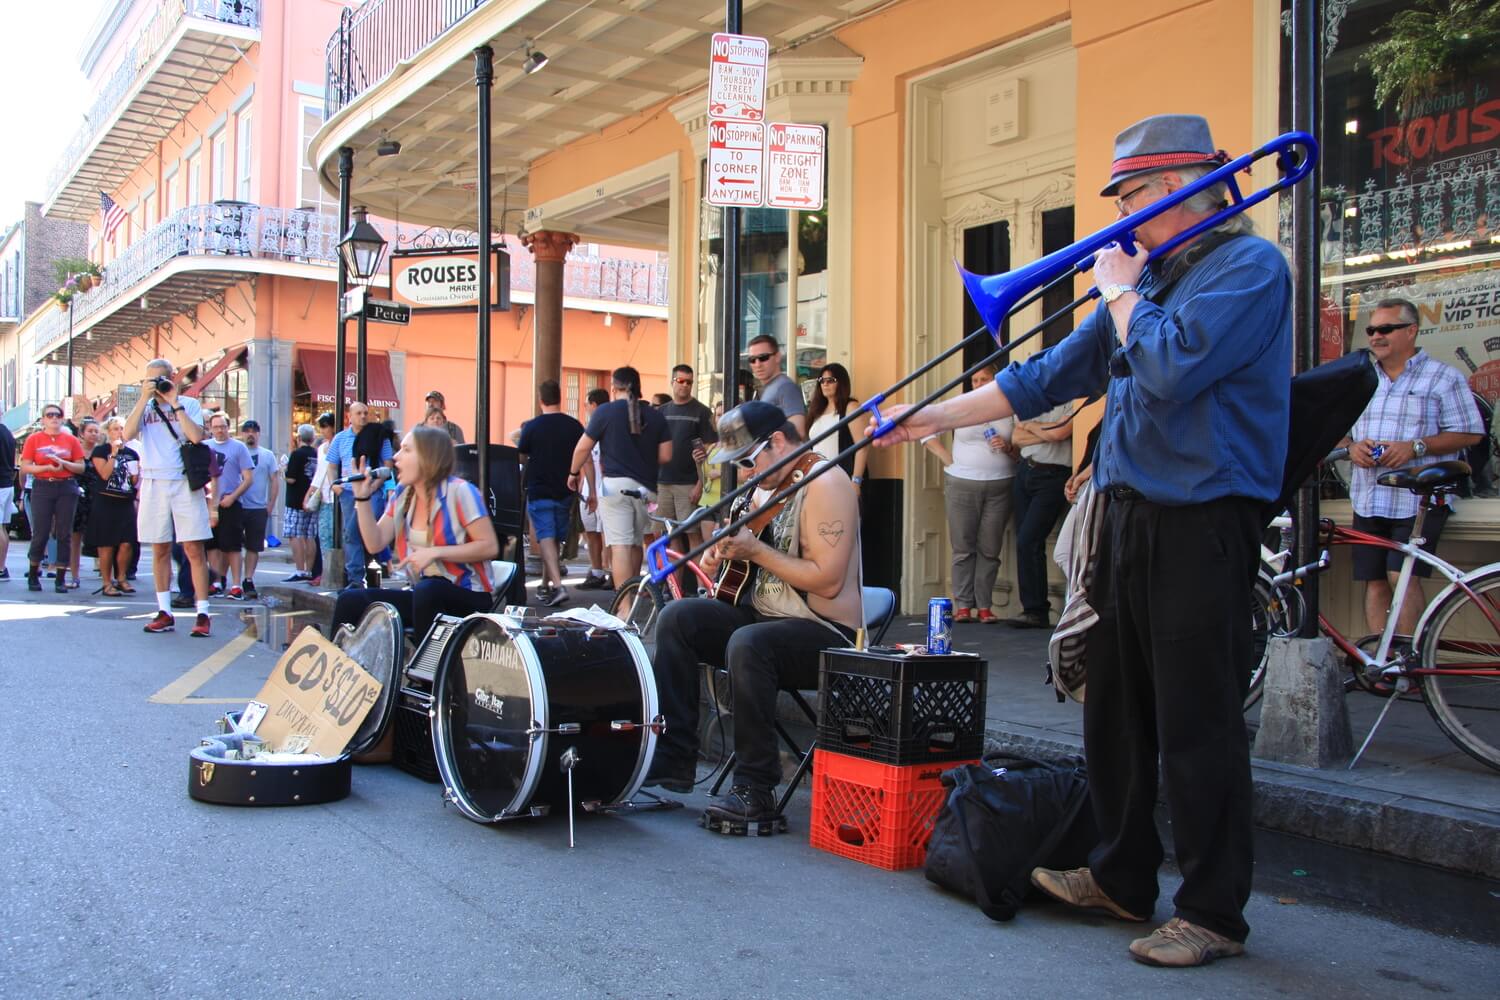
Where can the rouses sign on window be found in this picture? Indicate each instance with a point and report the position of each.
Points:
(442, 281)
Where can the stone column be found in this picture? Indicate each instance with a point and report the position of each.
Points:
(549, 248)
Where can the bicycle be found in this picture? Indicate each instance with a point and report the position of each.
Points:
(639, 602)
(1453, 657)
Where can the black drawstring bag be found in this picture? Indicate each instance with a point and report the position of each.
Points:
(995, 828)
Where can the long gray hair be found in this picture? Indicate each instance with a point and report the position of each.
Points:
(1211, 199)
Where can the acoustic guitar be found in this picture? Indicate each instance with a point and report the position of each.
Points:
(737, 575)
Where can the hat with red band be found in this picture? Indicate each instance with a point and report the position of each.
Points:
(1161, 142)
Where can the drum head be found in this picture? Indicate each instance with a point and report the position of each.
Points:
(487, 694)
(378, 646)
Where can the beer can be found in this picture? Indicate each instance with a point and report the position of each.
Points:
(1376, 451)
(940, 626)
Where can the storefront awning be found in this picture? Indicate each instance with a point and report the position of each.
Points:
(317, 368)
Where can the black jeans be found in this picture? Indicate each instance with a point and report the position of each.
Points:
(1038, 501)
(432, 596)
(53, 502)
(763, 655)
(1168, 665)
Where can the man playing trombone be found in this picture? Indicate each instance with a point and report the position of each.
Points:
(1195, 354)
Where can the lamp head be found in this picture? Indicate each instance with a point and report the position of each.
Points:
(535, 60)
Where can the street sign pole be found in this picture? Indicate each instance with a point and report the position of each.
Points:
(733, 22)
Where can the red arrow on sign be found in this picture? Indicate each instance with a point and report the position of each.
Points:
(735, 180)
(802, 201)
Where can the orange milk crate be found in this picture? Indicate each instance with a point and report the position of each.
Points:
(877, 814)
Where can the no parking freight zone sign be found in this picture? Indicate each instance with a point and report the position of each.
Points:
(794, 166)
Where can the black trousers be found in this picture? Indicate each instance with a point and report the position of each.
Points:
(418, 606)
(762, 654)
(1167, 668)
(53, 502)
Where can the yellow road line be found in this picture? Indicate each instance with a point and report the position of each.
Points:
(177, 692)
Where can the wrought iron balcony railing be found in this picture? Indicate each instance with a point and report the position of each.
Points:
(231, 230)
(226, 229)
(374, 37)
(143, 49)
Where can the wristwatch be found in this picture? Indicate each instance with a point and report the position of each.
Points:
(1419, 448)
(1111, 292)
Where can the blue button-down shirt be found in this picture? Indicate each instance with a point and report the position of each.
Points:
(1199, 395)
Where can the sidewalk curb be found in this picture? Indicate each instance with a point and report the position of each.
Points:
(1297, 800)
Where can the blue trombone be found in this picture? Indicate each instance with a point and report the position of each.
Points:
(997, 297)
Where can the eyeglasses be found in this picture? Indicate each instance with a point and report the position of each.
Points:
(1122, 203)
(748, 461)
(828, 380)
(1385, 328)
(756, 359)
(683, 381)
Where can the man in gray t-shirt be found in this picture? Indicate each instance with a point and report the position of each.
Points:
(265, 483)
(772, 384)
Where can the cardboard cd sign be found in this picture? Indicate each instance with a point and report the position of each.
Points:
(316, 697)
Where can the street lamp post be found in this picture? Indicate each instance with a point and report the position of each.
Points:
(70, 351)
(362, 250)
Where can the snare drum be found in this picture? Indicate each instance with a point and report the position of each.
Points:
(510, 697)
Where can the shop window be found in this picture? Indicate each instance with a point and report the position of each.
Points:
(310, 193)
(1410, 196)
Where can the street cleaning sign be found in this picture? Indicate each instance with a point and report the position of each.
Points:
(737, 77)
(736, 156)
(794, 166)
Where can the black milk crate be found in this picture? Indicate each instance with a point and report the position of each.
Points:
(889, 706)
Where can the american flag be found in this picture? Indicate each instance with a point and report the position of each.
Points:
(113, 215)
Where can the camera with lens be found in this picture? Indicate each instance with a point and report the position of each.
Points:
(163, 384)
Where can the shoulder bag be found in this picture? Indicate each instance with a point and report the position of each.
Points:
(197, 457)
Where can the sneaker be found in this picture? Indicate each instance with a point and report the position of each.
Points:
(200, 628)
(744, 804)
(296, 577)
(163, 622)
(61, 586)
(674, 776)
(1178, 944)
(1029, 619)
(251, 594)
(986, 617)
(556, 596)
(216, 589)
(182, 603)
(4, 573)
(33, 581)
(593, 582)
(235, 594)
(1078, 888)
(316, 581)
(543, 593)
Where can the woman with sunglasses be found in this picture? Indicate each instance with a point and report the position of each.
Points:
(829, 405)
(51, 457)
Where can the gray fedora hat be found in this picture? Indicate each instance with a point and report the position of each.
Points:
(1161, 142)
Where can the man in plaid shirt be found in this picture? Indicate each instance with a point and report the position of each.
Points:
(1421, 413)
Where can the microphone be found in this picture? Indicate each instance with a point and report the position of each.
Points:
(379, 474)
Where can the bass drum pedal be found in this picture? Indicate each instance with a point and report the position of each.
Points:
(730, 826)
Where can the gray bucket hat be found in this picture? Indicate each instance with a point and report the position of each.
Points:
(744, 427)
(1161, 142)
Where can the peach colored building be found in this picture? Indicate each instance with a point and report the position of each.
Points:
(224, 263)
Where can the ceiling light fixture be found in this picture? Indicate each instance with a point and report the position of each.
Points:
(535, 60)
(388, 147)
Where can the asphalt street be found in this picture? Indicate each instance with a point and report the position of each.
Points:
(116, 883)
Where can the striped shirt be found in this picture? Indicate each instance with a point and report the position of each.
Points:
(458, 504)
(1426, 398)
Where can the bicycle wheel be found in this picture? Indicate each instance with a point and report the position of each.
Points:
(1270, 615)
(638, 603)
(1465, 635)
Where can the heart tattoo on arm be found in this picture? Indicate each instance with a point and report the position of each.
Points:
(831, 531)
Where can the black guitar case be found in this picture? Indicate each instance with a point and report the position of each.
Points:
(1326, 401)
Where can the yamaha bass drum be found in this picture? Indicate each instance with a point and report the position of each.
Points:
(520, 707)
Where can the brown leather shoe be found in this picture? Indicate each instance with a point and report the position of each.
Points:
(1078, 888)
(1178, 944)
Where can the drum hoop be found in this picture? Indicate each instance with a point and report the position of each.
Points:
(649, 709)
(442, 741)
(398, 667)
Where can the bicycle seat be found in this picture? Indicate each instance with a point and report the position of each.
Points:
(1439, 476)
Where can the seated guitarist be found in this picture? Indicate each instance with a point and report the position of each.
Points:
(804, 597)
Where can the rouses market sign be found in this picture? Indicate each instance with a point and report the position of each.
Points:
(432, 280)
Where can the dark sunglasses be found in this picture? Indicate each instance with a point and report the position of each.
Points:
(683, 381)
(1386, 328)
(828, 380)
(748, 461)
(755, 358)
(52, 413)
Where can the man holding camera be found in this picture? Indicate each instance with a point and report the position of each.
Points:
(162, 421)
